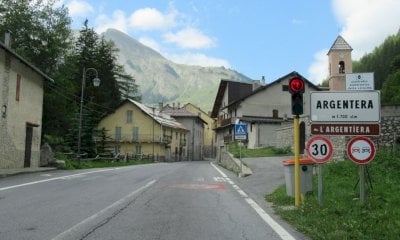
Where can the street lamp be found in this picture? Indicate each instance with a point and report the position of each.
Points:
(96, 83)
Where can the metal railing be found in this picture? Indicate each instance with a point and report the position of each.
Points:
(141, 138)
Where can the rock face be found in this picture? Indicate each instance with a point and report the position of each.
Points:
(161, 80)
(46, 155)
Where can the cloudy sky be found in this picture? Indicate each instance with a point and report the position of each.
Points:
(255, 37)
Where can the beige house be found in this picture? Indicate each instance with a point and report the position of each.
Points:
(195, 125)
(21, 99)
(263, 108)
(134, 128)
(209, 134)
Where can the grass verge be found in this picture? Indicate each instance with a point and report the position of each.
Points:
(342, 216)
(234, 148)
(71, 164)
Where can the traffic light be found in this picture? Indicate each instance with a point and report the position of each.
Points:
(296, 88)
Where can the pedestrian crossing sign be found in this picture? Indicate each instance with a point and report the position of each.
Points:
(240, 131)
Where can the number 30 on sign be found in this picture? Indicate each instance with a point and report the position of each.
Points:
(319, 149)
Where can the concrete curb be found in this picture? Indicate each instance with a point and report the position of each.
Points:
(16, 171)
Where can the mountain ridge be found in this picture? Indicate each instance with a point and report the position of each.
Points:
(161, 80)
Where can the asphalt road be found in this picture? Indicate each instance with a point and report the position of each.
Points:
(188, 200)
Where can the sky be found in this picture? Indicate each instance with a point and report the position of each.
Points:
(257, 38)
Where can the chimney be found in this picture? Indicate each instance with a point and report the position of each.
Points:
(8, 39)
(160, 106)
(256, 84)
(263, 80)
(173, 106)
(179, 105)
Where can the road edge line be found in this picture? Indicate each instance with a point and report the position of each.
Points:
(282, 233)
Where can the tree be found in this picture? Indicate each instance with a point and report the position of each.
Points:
(381, 60)
(40, 30)
(391, 89)
(91, 51)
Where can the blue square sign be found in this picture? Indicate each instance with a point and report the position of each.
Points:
(240, 131)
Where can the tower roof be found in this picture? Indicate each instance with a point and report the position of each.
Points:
(340, 44)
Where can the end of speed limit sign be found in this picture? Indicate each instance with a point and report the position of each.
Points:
(319, 149)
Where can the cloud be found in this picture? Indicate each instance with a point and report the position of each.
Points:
(79, 8)
(117, 21)
(151, 43)
(366, 24)
(318, 71)
(199, 60)
(151, 19)
(190, 38)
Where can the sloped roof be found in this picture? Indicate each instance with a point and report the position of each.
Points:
(28, 64)
(180, 113)
(292, 74)
(161, 118)
(236, 91)
(340, 44)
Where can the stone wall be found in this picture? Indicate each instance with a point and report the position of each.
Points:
(233, 164)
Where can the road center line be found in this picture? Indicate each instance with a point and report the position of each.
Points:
(56, 178)
(283, 234)
(85, 227)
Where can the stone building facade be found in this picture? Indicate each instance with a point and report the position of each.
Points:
(21, 100)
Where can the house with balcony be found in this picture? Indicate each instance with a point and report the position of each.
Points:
(264, 108)
(136, 129)
(195, 124)
(21, 104)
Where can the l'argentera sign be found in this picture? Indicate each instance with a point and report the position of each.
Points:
(354, 129)
(349, 106)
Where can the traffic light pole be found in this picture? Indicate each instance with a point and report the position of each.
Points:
(296, 161)
(296, 89)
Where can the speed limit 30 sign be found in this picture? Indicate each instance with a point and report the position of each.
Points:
(319, 149)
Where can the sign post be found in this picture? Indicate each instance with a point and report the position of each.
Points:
(361, 150)
(240, 134)
(320, 150)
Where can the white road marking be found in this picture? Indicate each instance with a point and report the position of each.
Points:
(201, 179)
(283, 234)
(57, 178)
(219, 179)
(82, 229)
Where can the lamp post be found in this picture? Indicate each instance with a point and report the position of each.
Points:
(96, 83)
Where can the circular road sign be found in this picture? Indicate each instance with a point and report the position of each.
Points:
(319, 149)
(361, 150)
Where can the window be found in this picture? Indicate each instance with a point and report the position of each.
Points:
(138, 149)
(135, 134)
(118, 133)
(341, 67)
(285, 88)
(129, 116)
(18, 88)
(275, 113)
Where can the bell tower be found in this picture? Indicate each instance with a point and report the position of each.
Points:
(339, 64)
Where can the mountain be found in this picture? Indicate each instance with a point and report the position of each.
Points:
(161, 80)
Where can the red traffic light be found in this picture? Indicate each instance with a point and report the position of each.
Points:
(296, 85)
